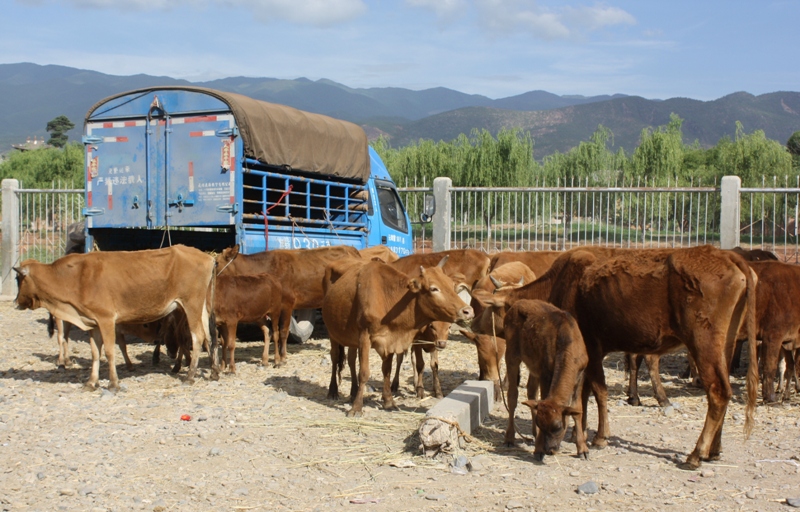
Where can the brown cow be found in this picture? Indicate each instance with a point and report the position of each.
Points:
(431, 339)
(98, 290)
(380, 307)
(379, 251)
(491, 350)
(698, 297)
(549, 342)
(515, 273)
(253, 298)
(538, 261)
(472, 264)
(300, 270)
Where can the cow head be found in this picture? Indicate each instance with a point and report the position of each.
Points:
(551, 421)
(436, 332)
(436, 296)
(27, 293)
(225, 258)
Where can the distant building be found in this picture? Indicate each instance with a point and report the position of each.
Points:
(32, 144)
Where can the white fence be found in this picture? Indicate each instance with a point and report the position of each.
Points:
(554, 216)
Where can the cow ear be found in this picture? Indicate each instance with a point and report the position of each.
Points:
(421, 271)
(489, 300)
(414, 286)
(533, 404)
(443, 261)
(234, 251)
(21, 272)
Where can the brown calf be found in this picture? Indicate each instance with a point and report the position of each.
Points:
(253, 299)
(549, 342)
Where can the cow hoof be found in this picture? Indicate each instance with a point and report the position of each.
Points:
(713, 457)
(188, 381)
(584, 455)
(600, 443)
(391, 406)
(510, 444)
(665, 403)
(352, 413)
(689, 465)
(90, 386)
(538, 457)
(439, 395)
(634, 401)
(333, 396)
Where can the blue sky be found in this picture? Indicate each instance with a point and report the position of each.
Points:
(498, 48)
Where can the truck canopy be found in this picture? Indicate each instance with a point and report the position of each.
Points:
(281, 136)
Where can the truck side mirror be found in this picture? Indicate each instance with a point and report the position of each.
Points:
(428, 208)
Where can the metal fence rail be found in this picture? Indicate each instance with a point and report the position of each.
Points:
(635, 214)
(44, 216)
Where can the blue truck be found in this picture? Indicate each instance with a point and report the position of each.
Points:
(211, 169)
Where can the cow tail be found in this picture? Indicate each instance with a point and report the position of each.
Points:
(51, 325)
(752, 367)
(212, 324)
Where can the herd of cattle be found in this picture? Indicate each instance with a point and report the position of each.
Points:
(559, 313)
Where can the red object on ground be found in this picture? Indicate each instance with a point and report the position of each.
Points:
(186, 417)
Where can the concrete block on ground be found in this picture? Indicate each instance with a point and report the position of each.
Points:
(455, 416)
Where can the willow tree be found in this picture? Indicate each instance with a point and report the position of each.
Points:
(660, 151)
(752, 157)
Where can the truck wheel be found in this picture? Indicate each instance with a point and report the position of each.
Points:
(302, 325)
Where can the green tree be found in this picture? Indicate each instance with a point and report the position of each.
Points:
(40, 168)
(660, 152)
(58, 129)
(793, 144)
(752, 157)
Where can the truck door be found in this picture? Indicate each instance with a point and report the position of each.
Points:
(116, 174)
(161, 171)
(200, 182)
(394, 226)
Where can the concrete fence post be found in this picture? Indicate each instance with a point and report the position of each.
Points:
(9, 248)
(729, 213)
(441, 218)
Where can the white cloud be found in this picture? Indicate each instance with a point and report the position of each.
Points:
(510, 16)
(444, 9)
(320, 13)
(599, 16)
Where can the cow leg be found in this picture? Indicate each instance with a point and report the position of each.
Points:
(419, 369)
(267, 340)
(396, 379)
(437, 385)
(771, 348)
(198, 339)
(222, 332)
(285, 322)
(94, 342)
(62, 338)
(108, 332)
(123, 347)
(796, 366)
(655, 378)
(718, 391)
(633, 361)
(782, 374)
(533, 387)
(388, 398)
(512, 371)
(333, 387)
(157, 353)
(363, 375)
(597, 380)
(737, 358)
(352, 357)
(229, 345)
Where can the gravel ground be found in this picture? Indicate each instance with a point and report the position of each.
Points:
(268, 439)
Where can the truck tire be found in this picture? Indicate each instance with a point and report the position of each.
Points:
(302, 325)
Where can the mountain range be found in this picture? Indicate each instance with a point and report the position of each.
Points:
(32, 94)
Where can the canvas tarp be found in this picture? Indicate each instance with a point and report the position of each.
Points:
(284, 136)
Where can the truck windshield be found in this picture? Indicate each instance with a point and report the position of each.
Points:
(391, 207)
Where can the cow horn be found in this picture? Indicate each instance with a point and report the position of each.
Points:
(496, 282)
(443, 261)
(21, 271)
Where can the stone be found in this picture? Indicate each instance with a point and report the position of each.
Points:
(793, 502)
(588, 488)
(435, 497)
(514, 504)
(707, 473)
(669, 410)
(751, 495)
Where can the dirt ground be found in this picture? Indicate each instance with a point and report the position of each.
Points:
(269, 439)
